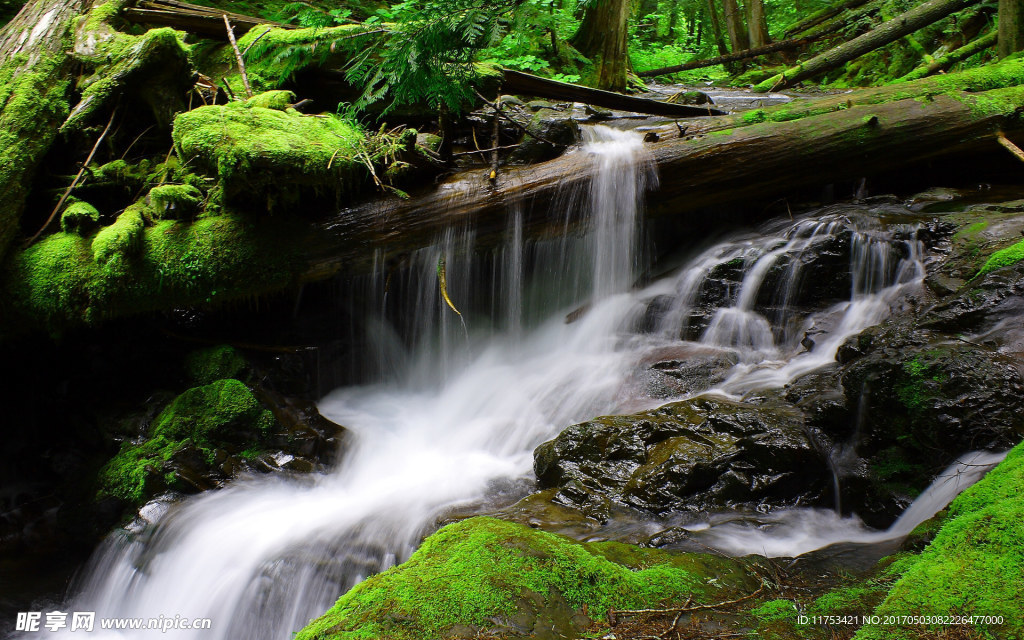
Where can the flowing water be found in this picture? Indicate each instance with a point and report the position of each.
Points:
(448, 420)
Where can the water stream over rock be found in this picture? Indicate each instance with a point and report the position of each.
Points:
(557, 334)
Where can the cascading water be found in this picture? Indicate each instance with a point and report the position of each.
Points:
(448, 420)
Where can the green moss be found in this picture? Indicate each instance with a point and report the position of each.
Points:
(221, 414)
(33, 97)
(79, 217)
(206, 414)
(974, 566)
(775, 610)
(56, 282)
(255, 147)
(1003, 258)
(920, 382)
(207, 365)
(279, 100)
(135, 473)
(121, 239)
(469, 572)
(175, 201)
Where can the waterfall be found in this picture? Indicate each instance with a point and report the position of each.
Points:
(447, 420)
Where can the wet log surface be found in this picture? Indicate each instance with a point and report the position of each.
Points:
(755, 163)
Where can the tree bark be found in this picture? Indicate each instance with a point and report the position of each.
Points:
(36, 74)
(716, 28)
(1011, 27)
(738, 37)
(757, 23)
(889, 31)
(601, 37)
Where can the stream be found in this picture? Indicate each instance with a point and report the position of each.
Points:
(556, 330)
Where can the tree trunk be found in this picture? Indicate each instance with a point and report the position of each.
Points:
(757, 24)
(738, 37)
(822, 16)
(889, 31)
(35, 78)
(1011, 27)
(601, 37)
(716, 28)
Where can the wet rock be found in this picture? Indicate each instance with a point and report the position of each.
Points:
(556, 130)
(692, 455)
(686, 370)
(993, 299)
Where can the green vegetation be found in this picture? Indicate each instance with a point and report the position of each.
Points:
(469, 572)
(974, 566)
(215, 363)
(79, 217)
(222, 413)
(1003, 258)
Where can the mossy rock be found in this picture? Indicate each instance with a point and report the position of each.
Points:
(224, 411)
(79, 217)
(974, 566)
(188, 439)
(484, 575)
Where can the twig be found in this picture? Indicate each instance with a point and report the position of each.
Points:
(1014, 149)
(703, 607)
(675, 620)
(258, 38)
(238, 56)
(74, 182)
(521, 127)
(494, 138)
(483, 151)
(227, 88)
(137, 138)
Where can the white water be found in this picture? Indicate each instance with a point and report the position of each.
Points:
(793, 532)
(454, 419)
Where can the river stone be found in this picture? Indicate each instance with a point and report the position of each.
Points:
(685, 456)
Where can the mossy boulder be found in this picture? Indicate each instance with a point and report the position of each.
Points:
(489, 576)
(691, 455)
(189, 443)
(552, 130)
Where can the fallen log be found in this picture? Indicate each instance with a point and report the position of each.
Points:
(919, 17)
(193, 18)
(945, 62)
(517, 82)
(759, 162)
(783, 45)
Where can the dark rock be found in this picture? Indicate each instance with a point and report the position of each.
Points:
(692, 455)
(558, 128)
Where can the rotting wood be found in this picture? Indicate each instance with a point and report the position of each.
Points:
(945, 62)
(823, 16)
(517, 82)
(204, 21)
